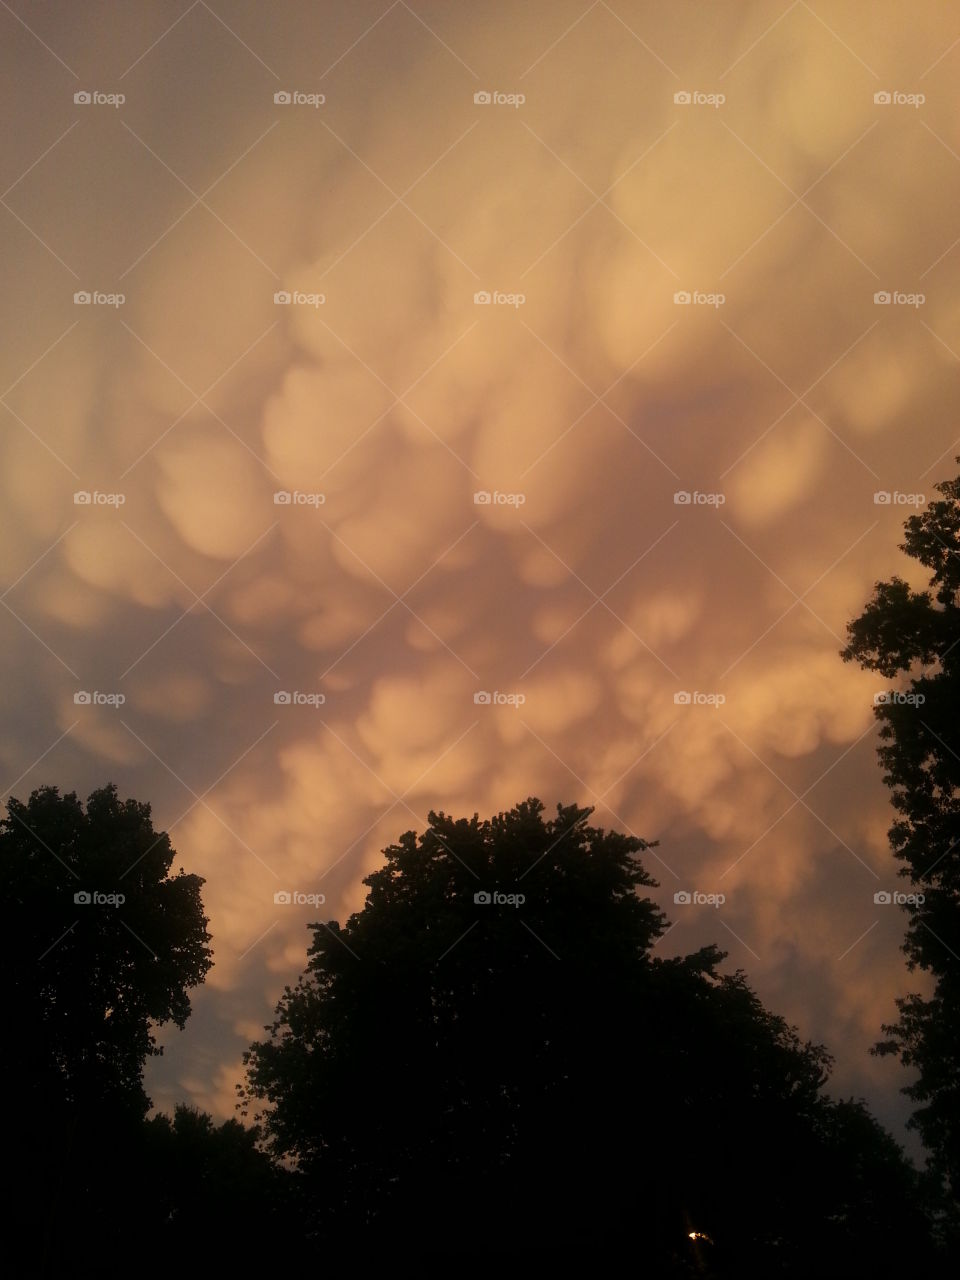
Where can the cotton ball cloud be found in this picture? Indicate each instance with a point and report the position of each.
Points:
(212, 492)
(780, 473)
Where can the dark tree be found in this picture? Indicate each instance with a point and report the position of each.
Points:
(209, 1194)
(479, 1075)
(99, 945)
(902, 632)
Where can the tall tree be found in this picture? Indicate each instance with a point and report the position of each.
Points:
(460, 1066)
(916, 634)
(208, 1194)
(99, 945)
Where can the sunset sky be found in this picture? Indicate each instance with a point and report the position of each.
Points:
(585, 396)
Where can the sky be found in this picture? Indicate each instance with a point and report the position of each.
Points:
(581, 339)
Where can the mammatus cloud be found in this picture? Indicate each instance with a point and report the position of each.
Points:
(681, 303)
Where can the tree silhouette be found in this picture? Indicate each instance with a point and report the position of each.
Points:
(902, 631)
(209, 1194)
(460, 1067)
(99, 945)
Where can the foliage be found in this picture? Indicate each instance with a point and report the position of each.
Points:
(917, 633)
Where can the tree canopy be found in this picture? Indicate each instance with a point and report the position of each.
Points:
(100, 944)
(916, 634)
(491, 1055)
